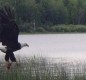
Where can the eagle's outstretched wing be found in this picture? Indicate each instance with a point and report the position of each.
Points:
(8, 28)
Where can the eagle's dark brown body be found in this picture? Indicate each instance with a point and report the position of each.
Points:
(9, 32)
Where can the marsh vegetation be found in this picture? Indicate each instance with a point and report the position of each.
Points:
(45, 69)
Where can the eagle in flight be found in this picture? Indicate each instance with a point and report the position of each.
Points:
(9, 32)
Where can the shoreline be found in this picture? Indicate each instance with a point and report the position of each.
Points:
(26, 33)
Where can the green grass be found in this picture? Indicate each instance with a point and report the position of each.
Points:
(62, 28)
(44, 69)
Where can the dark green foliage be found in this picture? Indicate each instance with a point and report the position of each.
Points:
(40, 29)
(48, 13)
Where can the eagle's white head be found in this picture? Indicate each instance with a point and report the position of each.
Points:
(24, 45)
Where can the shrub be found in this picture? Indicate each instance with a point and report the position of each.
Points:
(40, 29)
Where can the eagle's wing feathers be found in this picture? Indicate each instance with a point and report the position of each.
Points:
(8, 28)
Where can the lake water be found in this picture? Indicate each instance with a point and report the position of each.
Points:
(53, 45)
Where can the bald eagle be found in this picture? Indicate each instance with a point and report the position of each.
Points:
(9, 32)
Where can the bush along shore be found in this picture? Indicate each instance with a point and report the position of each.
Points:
(54, 29)
(44, 69)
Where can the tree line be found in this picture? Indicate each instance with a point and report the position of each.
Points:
(40, 15)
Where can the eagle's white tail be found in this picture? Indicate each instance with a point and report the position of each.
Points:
(3, 49)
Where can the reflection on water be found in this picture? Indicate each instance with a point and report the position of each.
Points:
(54, 45)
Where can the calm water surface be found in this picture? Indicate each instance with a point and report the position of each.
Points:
(54, 45)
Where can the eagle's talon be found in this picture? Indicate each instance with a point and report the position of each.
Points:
(8, 66)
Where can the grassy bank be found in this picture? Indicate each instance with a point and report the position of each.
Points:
(55, 29)
(44, 69)
(68, 28)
